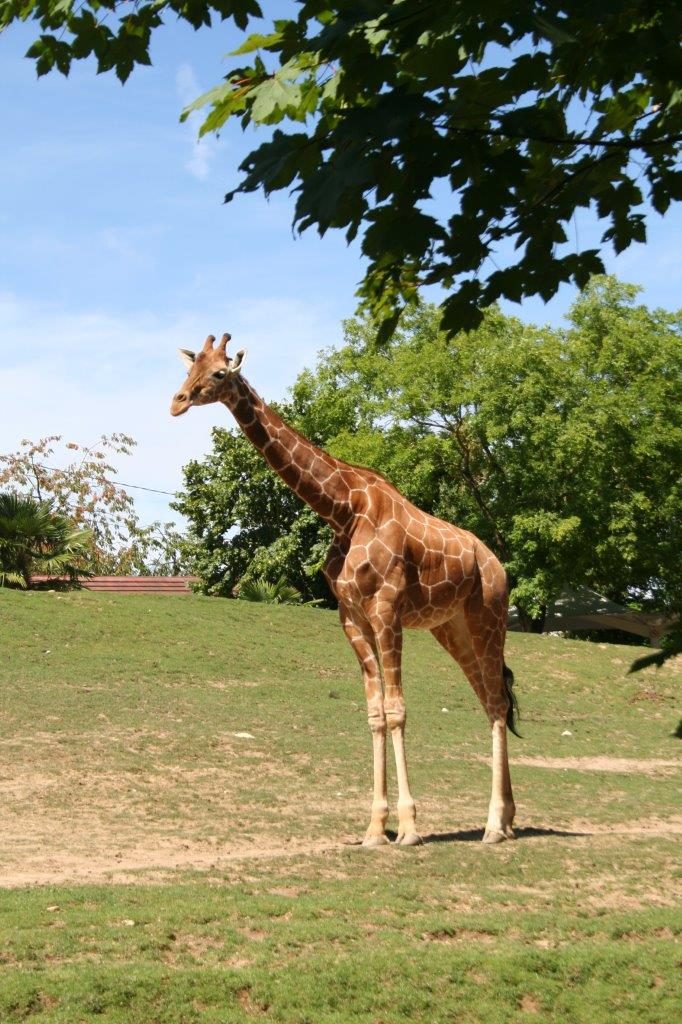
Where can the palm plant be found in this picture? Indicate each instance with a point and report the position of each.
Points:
(280, 592)
(36, 539)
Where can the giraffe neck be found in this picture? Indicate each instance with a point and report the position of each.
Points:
(311, 474)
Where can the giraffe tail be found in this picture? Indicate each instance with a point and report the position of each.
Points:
(513, 713)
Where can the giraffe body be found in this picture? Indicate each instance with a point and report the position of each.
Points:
(394, 547)
(391, 566)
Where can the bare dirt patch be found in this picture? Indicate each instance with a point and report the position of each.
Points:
(617, 900)
(249, 1005)
(617, 765)
(529, 1004)
(67, 818)
(155, 860)
(671, 826)
(461, 935)
(84, 845)
(286, 891)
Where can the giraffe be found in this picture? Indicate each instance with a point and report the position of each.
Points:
(390, 566)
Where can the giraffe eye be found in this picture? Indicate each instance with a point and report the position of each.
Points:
(219, 374)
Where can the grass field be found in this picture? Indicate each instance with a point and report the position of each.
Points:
(180, 778)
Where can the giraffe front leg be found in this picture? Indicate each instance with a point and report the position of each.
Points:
(376, 832)
(389, 637)
(407, 811)
(361, 639)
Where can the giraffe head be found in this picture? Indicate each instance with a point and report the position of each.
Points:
(211, 375)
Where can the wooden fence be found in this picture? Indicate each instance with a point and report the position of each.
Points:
(130, 584)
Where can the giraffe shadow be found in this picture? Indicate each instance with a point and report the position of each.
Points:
(475, 835)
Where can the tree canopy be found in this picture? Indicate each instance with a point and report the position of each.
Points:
(35, 538)
(84, 492)
(561, 449)
(513, 116)
(245, 523)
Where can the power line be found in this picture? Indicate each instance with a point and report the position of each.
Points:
(134, 487)
(117, 520)
(139, 487)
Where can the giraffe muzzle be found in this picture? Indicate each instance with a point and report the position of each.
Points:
(180, 404)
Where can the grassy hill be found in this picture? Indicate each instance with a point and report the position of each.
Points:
(178, 777)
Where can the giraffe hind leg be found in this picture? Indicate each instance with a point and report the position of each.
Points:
(491, 683)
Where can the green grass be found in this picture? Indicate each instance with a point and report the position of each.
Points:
(162, 869)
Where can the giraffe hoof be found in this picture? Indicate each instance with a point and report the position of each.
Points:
(409, 839)
(381, 840)
(493, 835)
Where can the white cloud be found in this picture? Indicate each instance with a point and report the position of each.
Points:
(88, 373)
(203, 149)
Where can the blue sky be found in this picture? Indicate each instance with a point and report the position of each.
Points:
(117, 248)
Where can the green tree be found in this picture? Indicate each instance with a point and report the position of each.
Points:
(279, 592)
(80, 483)
(246, 526)
(35, 539)
(157, 549)
(625, 442)
(516, 114)
(562, 449)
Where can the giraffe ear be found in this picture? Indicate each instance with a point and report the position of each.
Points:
(236, 363)
(187, 357)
